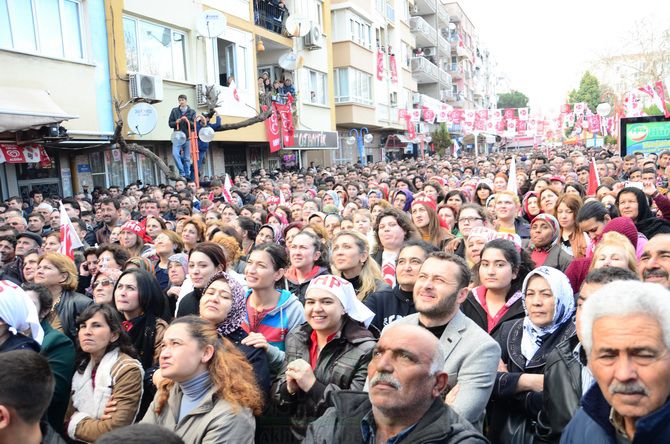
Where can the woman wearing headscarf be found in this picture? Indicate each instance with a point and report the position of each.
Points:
(329, 352)
(223, 304)
(402, 199)
(634, 203)
(516, 400)
(530, 206)
(18, 314)
(545, 248)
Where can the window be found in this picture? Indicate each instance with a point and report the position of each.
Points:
(360, 32)
(154, 49)
(46, 27)
(405, 55)
(316, 85)
(352, 85)
(316, 12)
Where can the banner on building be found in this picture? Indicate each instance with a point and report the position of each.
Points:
(380, 65)
(394, 69)
(272, 130)
(284, 113)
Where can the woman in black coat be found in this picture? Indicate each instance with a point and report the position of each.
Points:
(525, 343)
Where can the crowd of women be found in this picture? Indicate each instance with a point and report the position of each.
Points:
(234, 322)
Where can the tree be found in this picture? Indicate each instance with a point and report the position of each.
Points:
(589, 91)
(512, 99)
(441, 139)
(169, 170)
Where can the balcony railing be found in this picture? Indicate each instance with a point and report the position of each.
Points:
(424, 71)
(269, 16)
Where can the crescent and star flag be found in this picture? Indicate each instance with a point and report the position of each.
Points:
(69, 239)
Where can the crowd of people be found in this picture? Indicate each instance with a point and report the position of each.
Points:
(420, 301)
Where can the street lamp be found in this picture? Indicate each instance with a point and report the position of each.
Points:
(206, 134)
(361, 137)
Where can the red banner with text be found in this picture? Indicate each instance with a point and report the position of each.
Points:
(394, 69)
(380, 65)
(272, 130)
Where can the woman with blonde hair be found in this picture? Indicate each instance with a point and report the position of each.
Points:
(426, 220)
(572, 239)
(209, 392)
(350, 259)
(58, 273)
(614, 250)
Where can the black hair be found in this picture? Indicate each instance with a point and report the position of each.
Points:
(119, 253)
(250, 226)
(277, 254)
(114, 322)
(576, 186)
(44, 296)
(323, 260)
(464, 274)
(590, 210)
(9, 238)
(72, 202)
(26, 384)
(425, 246)
(520, 261)
(110, 201)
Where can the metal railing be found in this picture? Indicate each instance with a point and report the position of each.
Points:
(269, 16)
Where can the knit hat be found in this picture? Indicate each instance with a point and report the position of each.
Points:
(137, 228)
(625, 226)
(181, 258)
(425, 200)
(344, 292)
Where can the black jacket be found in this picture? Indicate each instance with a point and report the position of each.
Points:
(19, 342)
(562, 391)
(342, 423)
(70, 306)
(176, 113)
(505, 402)
(190, 304)
(474, 310)
(341, 365)
(257, 357)
(388, 305)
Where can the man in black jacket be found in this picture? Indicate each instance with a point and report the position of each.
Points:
(404, 404)
(566, 376)
(182, 152)
(391, 304)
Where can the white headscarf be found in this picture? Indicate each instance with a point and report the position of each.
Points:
(17, 311)
(564, 307)
(344, 292)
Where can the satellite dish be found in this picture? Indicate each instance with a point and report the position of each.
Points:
(142, 118)
(289, 61)
(298, 26)
(211, 23)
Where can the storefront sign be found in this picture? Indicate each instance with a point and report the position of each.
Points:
(313, 140)
(84, 168)
(23, 154)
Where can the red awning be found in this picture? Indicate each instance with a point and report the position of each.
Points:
(23, 154)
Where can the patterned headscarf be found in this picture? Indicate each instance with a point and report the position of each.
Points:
(553, 223)
(408, 198)
(564, 307)
(238, 310)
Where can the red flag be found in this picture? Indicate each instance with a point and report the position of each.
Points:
(594, 180)
(380, 65)
(394, 69)
(227, 186)
(287, 131)
(69, 239)
(272, 130)
(660, 92)
(411, 131)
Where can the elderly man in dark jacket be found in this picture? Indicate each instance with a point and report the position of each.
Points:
(404, 404)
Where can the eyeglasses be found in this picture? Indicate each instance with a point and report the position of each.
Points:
(104, 283)
(469, 220)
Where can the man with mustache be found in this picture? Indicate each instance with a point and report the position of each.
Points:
(624, 331)
(404, 403)
(655, 260)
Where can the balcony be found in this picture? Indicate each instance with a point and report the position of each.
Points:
(425, 34)
(445, 78)
(446, 95)
(442, 15)
(424, 71)
(269, 16)
(456, 71)
(424, 7)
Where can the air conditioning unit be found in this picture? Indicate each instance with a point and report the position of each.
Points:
(146, 88)
(427, 52)
(314, 39)
(201, 94)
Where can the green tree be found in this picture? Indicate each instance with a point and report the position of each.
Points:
(441, 139)
(512, 99)
(589, 91)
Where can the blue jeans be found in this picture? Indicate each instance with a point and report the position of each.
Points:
(183, 161)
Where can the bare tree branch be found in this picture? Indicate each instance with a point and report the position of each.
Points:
(266, 100)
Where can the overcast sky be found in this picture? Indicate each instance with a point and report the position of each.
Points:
(544, 46)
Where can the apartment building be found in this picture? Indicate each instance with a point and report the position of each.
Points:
(54, 93)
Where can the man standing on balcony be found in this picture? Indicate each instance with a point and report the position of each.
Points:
(182, 152)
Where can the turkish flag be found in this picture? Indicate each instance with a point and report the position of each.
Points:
(594, 180)
(286, 116)
(272, 130)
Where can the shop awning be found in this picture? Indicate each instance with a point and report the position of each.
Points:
(397, 141)
(25, 108)
(23, 154)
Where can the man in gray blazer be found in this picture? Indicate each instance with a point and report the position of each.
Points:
(472, 356)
